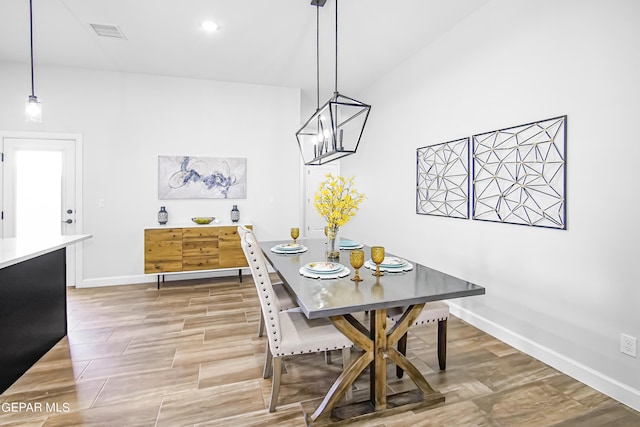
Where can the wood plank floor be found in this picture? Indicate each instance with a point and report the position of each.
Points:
(189, 355)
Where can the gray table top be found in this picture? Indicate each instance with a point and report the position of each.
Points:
(330, 297)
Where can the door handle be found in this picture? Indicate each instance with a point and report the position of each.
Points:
(69, 221)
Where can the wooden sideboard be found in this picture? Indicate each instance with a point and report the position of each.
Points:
(190, 249)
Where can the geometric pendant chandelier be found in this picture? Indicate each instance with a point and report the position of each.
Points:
(335, 129)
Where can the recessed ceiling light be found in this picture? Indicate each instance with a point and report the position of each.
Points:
(209, 26)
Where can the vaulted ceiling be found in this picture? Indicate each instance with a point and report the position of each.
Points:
(261, 42)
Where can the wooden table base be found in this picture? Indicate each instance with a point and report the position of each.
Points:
(364, 410)
(378, 346)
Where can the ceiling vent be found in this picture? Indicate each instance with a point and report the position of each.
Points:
(110, 31)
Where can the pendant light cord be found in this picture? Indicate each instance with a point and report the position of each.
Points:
(336, 79)
(31, 35)
(317, 57)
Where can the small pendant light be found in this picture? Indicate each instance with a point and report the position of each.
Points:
(33, 107)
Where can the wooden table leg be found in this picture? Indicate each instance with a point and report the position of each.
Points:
(397, 332)
(379, 370)
(378, 347)
(402, 326)
(356, 333)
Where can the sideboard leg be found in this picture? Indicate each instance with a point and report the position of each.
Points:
(240, 274)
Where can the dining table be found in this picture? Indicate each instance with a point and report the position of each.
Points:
(359, 310)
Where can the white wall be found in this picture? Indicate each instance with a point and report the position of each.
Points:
(562, 296)
(127, 120)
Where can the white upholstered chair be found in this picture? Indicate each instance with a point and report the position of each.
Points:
(288, 332)
(285, 299)
(432, 312)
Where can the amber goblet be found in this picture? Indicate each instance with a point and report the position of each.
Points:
(377, 256)
(295, 233)
(357, 260)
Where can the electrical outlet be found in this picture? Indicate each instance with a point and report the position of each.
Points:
(628, 345)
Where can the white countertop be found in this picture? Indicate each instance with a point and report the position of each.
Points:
(16, 250)
(190, 224)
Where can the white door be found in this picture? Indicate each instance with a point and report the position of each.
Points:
(313, 177)
(39, 190)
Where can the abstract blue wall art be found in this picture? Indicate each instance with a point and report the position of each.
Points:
(442, 186)
(519, 174)
(187, 177)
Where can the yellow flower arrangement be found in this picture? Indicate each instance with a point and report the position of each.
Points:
(337, 201)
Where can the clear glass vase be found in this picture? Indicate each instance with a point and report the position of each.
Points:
(333, 243)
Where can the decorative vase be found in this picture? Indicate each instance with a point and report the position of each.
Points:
(163, 216)
(333, 243)
(235, 214)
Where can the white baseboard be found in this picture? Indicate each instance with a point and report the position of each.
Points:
(597, 380)
(152, 278)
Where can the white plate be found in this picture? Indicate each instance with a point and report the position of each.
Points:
(341, 273)
(399, 269)
(289, 246)
(323, 267)
(345, 243)
(349, 248)
(392, 262)
(279, 251)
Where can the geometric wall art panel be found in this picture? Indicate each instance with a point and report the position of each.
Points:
(519, 174)
(442, 181)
